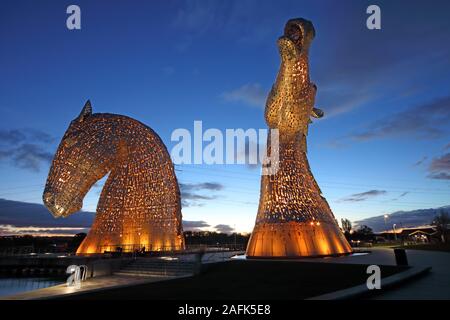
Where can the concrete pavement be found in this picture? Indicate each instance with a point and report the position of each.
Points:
(434, 285)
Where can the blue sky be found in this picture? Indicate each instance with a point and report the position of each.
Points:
(383, 145)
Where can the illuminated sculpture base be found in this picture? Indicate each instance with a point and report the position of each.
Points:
(292, 240)
(294, 219)
(155, 240)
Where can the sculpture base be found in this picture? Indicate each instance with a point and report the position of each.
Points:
(95, 243)
(294, 240)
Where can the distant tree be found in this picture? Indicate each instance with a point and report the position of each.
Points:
(76, 241)
(363, 233)
(441, 222)
(365, 230)
(346, 225)
(196, 238)
(79, 236)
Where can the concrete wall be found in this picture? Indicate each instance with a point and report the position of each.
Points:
(105, 267)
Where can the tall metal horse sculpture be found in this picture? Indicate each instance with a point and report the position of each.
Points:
(294, 219)
(139, 205)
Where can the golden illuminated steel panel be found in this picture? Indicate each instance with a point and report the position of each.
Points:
(139, 205)
(293, 219)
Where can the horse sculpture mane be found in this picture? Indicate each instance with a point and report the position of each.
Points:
(139, 205)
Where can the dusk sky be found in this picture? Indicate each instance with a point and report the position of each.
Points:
(383, 145)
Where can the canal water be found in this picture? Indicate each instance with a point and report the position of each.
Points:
(10, 286)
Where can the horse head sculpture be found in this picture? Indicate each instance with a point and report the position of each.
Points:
(139, 205)
(293, 219)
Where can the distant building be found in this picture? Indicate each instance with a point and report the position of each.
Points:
(416, 234)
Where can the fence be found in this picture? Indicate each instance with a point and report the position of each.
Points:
(130, 249)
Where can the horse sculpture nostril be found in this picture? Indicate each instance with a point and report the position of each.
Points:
(49, 199)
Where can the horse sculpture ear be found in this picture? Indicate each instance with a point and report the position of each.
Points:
(86, 111)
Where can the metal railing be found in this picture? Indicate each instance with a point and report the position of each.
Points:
(127, 250)
(137, 248)
(30, 251)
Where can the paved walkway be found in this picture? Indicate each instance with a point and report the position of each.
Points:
(435, 285)
(92, 284)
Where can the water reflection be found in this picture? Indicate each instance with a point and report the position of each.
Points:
(10, 286)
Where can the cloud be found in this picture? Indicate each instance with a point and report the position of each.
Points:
(24, 214)
(439, 168)
(17, 217)
(39, 136)
(336, 144)
(364, 195)
(403, 194)
(15, 136)
(8, 229)
(194, 225)
(426, 121)
(25, 148)
(440, 176)
(235, 20)
(346, 105)
(441, 163)
(191, 193)
(396, 57)
(251, 94)
(27, 156)
(30, 156)
(11, 136)
(201, 186)
(196, 18)
(339, 98)
(419, 162)
(249, 152)
(396, 69)
(223, 228)
(400, 196)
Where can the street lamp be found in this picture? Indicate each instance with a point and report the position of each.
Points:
(395, 233)
(385, 220)
(235, 236)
